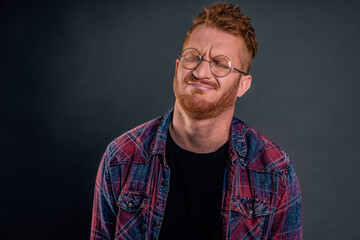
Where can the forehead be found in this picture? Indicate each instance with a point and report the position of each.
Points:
(212, 41)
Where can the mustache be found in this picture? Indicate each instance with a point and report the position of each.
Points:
(191, 78)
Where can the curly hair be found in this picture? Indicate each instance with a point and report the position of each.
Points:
(230, 19)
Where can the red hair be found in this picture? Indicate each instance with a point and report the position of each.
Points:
(230, 19)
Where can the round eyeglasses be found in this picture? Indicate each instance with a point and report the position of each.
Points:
(220, 65)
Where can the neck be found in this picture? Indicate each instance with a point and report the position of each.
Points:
(200, 136)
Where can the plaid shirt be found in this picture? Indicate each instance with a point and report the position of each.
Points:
(260, 198)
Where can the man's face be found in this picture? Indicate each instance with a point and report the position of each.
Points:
(198, 92)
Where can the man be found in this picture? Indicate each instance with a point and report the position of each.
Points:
(197, 172)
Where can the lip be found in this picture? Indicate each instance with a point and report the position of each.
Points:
(200, 86)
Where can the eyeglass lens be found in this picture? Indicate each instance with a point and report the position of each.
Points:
(220, 65)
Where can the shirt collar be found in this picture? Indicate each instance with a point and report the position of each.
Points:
(238, 146)
(159, 142)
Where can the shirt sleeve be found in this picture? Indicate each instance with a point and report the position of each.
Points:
(288, 214)
(104, 206)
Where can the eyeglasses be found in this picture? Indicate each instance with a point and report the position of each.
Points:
(220, 65)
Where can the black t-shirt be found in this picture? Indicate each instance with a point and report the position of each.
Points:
(193, 205)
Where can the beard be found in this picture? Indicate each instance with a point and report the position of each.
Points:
(194, 104)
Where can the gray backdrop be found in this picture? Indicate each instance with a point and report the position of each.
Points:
(77, 74)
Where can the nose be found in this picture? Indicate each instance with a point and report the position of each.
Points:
(203, 70)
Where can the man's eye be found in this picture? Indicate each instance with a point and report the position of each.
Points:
(220, 64)
(192, 58)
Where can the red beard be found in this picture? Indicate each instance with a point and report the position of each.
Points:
(198, 108)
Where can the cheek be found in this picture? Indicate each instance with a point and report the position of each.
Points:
(181, 74)
(232, 86)
(229, 82)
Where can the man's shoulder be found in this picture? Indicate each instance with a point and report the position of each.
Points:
(135, 144)
(259, 152)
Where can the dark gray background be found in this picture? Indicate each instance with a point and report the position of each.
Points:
(77, 74)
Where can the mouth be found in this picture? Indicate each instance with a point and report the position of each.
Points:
(201, 86)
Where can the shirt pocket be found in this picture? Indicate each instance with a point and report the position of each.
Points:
(132, 215)
(247, 217)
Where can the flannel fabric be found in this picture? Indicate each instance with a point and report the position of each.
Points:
(260, 196)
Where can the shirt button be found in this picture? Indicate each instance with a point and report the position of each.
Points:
(250, 212)
(130, 204)
(163, 183)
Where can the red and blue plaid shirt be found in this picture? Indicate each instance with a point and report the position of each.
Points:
(260, 198)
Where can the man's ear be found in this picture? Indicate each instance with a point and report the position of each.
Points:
(177, 64)
(244, 85)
